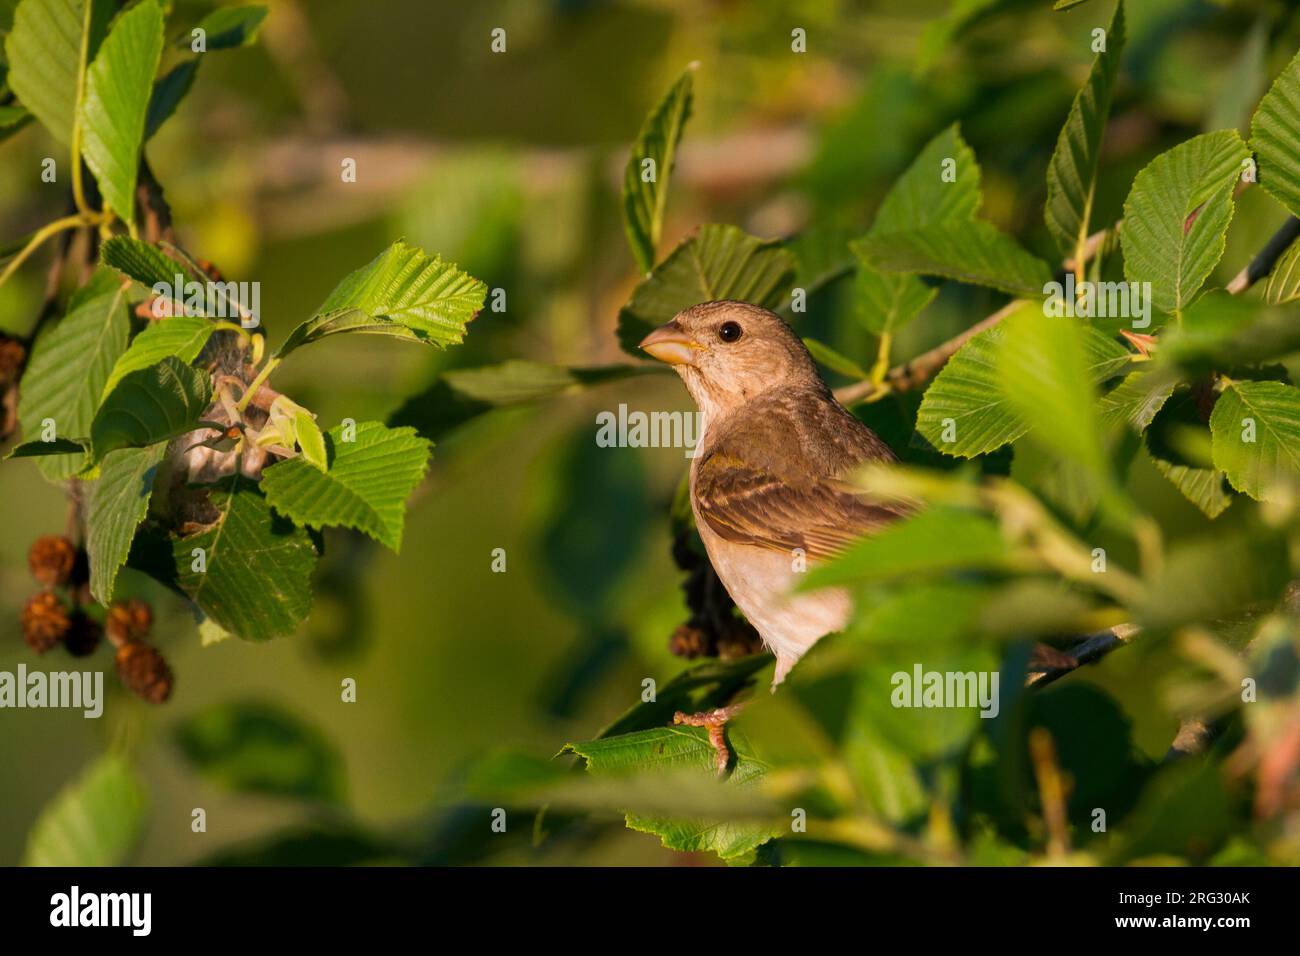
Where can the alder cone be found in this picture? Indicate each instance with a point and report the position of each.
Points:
(51, 560)
(128, 620)
(44, 621)
(83, 635)
(144, 672)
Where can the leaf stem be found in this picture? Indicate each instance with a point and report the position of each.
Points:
(38, 237)
(78, 193)
(255, 384)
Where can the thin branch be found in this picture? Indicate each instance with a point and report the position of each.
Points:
(1263, 263)
(1088, 651)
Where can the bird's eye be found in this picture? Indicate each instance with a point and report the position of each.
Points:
(729, 331)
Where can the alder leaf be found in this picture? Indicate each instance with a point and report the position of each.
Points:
(1176, 217)
(1072, 172)
(717, 262)
(151, 405)
(180, 336)
(141, 261)
(118, 85)
(644, 201)
(44, 53)
(226, 28)
(826, 356)
(365, 486)
(69, 366)
(923, 196)
(118, 503)
(403, 293)
(1275, 137)
(1255, 433)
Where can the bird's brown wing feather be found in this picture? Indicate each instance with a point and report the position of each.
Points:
(750, 504)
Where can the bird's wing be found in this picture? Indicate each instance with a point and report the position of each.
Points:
(751, 504)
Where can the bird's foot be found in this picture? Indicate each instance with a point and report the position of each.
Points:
(715, 722)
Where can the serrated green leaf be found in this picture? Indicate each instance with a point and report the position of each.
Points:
(1072, 172)
(228, 27)
(1203, 487)
(826, 356)
(886, 301)
(118, 503)
(973, 252)
(1284, 280)
(141, 261)
(644, 201)
(44, 52)
(255, 747)
(403, 293)
(69, 366)
(180, 336)
(1275, 137)
(365, 487)
(97, 820)
(151, 405)
(118, 85)
(1255, 429)
(676, 749)
(60, 446)
(718, 262)
(1212, 577)
(1176, 217)
(923, 196)
(968, 393)
(1136, 399)
(257, 583)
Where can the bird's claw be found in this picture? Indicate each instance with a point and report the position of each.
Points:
(715, 722)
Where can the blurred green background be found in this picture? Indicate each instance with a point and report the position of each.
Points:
(510, 166)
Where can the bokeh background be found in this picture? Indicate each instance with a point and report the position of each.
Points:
(510, 166)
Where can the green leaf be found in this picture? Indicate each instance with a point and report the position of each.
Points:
(228, 27)
(60, 446)
(403, 293)
(118, 504)
(1072, 172)
(644, 201)
(1203, 487)
(966, 402)
(180, 336)
(118, 86)
(1136, 400)
(310, 440)
(141, 261)
(713, 683)
(257, 583)
(826, 356)
(886, 301)
(1044, 372)
(44, 52)
(97, 820)
(973, 252)
(254, 747)
(69, 366)
(1284, 279)
(1216, 577)
(1176, 217)
(151, 405)
(923, 197)
(935, 541)
(167, 94)
(678, 749)
(1275, 137)
(1255, 428)
(365, 487)
(718, 262)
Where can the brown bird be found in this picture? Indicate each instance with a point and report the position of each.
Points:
(768, 481)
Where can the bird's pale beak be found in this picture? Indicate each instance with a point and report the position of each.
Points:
(670, 344)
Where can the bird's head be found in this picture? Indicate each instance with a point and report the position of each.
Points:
(729, 352)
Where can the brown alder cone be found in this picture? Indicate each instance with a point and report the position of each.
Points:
(128, 620)
(51, 559)
(44, 621)
(144, 672)
(83, 636)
